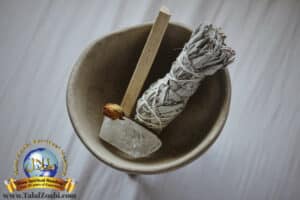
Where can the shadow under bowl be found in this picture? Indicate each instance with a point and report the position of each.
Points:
(102, 74)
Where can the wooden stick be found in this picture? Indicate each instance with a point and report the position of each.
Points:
(145, 61)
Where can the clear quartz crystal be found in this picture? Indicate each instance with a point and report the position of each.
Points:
(129, 137)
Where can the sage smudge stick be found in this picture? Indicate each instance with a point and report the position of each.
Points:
(203, 55)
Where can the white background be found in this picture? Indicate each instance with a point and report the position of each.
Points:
(257, 156)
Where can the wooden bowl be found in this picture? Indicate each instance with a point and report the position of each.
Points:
(102, 74)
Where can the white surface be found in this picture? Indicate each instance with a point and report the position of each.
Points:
(256, 156)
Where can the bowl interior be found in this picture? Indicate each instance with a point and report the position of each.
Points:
(102, 74)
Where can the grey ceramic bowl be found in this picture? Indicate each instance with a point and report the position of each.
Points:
(101, 75)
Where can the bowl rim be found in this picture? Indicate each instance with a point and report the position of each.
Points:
(201, 148)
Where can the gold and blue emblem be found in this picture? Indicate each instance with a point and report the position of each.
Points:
(40, 162)
(43, 163)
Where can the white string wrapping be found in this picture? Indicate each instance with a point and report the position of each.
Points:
(203, 55)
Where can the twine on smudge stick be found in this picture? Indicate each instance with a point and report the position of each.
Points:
(203, 55)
